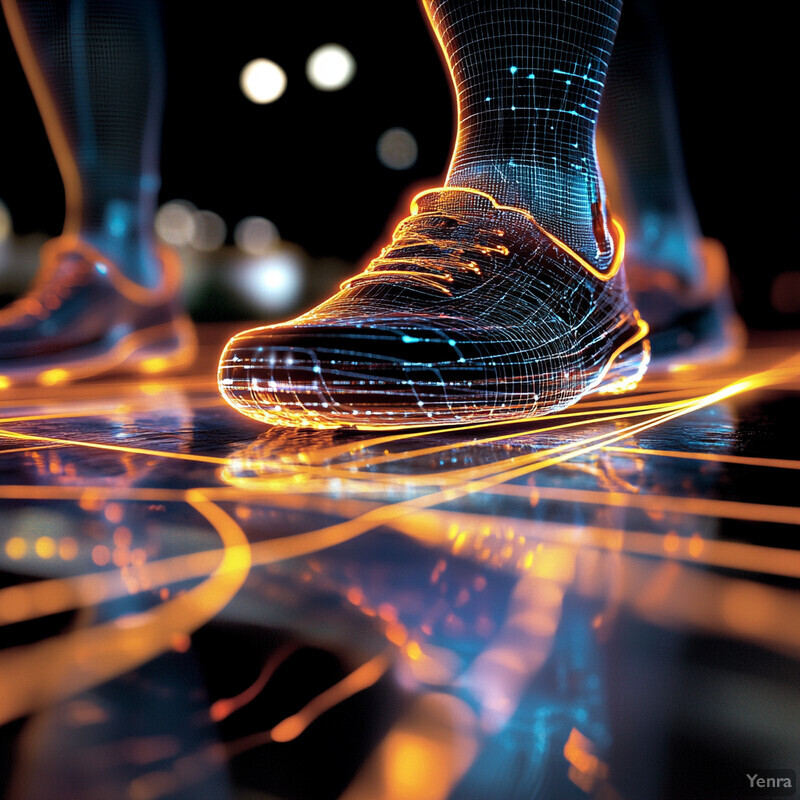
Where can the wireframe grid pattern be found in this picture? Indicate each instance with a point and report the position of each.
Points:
(529, 77)
(501, 296)
(472, 313)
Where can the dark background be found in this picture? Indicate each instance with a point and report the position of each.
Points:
(308, 161)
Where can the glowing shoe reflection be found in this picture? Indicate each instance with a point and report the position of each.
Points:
(83, 317)
(473, 313)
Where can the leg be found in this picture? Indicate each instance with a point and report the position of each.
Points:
(679, 279)
(105, 296)
(502, 295)
(96, 71)
(528, 76)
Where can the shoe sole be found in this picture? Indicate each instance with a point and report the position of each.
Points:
(148, 351)
(294, 402)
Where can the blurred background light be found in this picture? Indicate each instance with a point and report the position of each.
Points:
(262, 81)
(5, 222)
(209, 231)
(274, 282)
(175, 222)
(397, 149)
(256, 236)
(330, 67)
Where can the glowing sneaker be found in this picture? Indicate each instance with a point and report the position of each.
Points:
(83, 317)
(472, 314)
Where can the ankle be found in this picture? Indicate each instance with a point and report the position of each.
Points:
(571, 207)
(136, 258)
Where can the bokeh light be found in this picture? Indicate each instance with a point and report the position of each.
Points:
(330, 67)
(274, 282)
(256, 236)
(5, 222)
(397, 149)
(174, 222)
(262, 81)
(209, 231)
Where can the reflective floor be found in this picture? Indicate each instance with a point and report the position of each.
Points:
(601, 603)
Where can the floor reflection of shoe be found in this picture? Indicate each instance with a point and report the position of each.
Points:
(689, 325)
(473, 313)
(83, 317)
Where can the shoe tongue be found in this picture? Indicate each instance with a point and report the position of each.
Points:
(453, 200)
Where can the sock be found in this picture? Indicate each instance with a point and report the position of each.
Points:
(96, 71)
(529, 76)
(639, 120)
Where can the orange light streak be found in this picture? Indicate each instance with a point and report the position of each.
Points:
(35, 676)
(729, 509)
(223, 708)
(717, 458)
(29, 437)
(290, 728)
(362, 678)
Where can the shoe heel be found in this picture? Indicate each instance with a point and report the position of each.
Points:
(175, 348)
(628, 364)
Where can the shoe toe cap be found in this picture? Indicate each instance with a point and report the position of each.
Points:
(413, 372)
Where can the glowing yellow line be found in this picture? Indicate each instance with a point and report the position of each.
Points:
(28, 449)
(720, 458)
(644, 329)
(371, 461)
(114, 447)
(488, 469)
(730, 509)
(272, 550)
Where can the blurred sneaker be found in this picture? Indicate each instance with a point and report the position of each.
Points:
(83, 317)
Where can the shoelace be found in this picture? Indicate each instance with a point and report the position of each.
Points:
(421, 250)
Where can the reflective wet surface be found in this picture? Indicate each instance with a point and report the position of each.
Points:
(601, 603)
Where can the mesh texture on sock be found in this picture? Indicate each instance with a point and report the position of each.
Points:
(529, 78)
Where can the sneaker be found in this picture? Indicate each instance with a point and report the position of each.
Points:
(83, 317)
(472, 314)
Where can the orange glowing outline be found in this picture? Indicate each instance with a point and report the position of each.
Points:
(617, 233)
(223, 708)
(361, 678)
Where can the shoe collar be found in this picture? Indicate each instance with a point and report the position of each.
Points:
(444, 198)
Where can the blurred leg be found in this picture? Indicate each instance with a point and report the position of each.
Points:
(96, 69)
